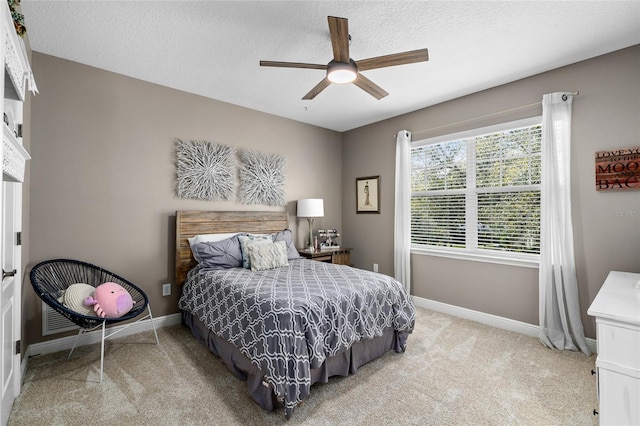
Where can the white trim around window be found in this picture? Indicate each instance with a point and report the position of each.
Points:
(471, 251)
(481, 131)
(489, 256)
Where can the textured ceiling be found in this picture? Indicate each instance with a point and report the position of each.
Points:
(212, 48)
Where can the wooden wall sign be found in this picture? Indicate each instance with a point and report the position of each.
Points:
(618, 169)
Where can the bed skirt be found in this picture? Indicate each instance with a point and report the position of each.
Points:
(261, 392)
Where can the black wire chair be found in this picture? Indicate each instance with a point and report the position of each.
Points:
(51, 277)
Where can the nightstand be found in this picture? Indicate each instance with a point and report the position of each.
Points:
(340, 256)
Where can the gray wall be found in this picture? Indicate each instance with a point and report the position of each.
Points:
(102, 184)
(606, 115)
(102, 178)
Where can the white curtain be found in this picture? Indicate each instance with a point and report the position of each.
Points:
(402, 228)
(560, 322)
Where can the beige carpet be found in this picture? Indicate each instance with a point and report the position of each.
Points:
(455, 372)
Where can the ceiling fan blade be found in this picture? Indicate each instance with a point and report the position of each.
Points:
(317, 89)
(292, 65)
(420, 55)
(339, 30)
(370, 87)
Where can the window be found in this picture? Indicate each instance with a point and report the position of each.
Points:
(477, 193)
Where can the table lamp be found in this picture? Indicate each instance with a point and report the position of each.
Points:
(310, 208)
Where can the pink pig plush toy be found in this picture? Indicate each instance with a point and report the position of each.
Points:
(110, 300)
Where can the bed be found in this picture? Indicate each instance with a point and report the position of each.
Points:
(284, 328)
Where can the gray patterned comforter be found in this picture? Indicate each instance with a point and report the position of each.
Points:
(288, 320)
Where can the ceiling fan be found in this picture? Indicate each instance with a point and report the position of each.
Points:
(342, 69)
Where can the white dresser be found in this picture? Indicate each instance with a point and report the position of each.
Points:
(617, 312)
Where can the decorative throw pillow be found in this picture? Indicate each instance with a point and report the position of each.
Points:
(287, 237)
(246, 239)
(267, 255)
(73, 298)
(218, 254)
(209, 237)
(110, 300)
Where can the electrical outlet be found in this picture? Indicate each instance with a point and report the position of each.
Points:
(166, 289)
(375, 267)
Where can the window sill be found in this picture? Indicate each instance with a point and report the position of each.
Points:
(526, 261)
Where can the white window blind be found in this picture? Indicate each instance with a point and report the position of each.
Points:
(478, 190)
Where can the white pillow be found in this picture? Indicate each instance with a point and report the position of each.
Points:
(247, 239)
(267, 255)
(73, 298)
(209, 237)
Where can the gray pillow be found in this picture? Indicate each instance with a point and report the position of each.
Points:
(287, 237)
(219, 254)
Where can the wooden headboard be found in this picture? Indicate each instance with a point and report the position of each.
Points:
(190, 223)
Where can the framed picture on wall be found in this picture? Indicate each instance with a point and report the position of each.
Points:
(368, 194)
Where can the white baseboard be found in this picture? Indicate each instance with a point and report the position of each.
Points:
(66, 343)
(488, 319)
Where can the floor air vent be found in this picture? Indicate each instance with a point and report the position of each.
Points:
(53, 322)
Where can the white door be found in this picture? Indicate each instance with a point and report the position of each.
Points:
(10, 296)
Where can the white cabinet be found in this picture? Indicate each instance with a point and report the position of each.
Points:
(17, 79)
(617, 312)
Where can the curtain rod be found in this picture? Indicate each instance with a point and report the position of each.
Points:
(484, 116)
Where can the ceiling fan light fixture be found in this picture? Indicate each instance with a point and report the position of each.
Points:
(342, 72)
(342, 69)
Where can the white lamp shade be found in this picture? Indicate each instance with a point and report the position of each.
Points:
(311, 207)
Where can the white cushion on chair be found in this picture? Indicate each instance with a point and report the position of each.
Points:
(73, 297)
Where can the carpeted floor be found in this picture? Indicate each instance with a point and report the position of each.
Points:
(454, 372)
